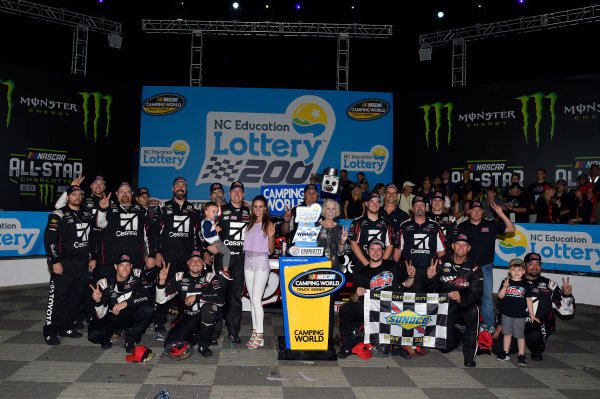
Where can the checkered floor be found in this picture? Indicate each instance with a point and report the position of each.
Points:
(78, 369)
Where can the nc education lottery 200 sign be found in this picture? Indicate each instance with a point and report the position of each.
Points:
(260, 137)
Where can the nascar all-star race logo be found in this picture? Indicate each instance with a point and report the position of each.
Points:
(262, 149)
(561, 246)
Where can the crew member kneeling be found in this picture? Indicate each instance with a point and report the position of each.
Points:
(121, 303)
(462, 279)
(200, 295)
(379, 274)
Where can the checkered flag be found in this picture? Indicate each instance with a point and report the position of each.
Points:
(222, 169)
(406, 318)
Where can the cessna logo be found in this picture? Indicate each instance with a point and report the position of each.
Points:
(371, 235)
(83, 231)
(10, 87)
(438, 111)
(421, 244)
(237, 232)
(538, 102)
(98, 112)
(181, 224)
(129, 223)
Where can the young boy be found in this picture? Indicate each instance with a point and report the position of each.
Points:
(210, 232)
(515, 294)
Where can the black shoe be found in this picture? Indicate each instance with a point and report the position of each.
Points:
(234, 338)
(161, 333)
(214, 341)
(52, 340)
(537, 357)
(78, 325)
(129, 346)
(470, 362)
(481, 351)
(71, 334)
(344, 352)
(503, 357)
(205, 351)
(522, 360)
(106, 345)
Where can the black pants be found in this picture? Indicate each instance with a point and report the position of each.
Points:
(470, 316)
(64, 296)
(162, 310)
(536, 335)
(351, 315)
(234, 289)
(188, 328)
(133, 321)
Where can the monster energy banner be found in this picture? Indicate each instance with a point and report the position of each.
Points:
(504, 128)
(54, 128)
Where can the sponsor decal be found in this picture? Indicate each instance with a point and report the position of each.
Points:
(317, 283)
(381, 281)
(255, 148)
(10, 87)
(13, 237)
(163, 104)
(367, 110)
(539, 105)
(99, 111)
(174, 156)
(438, 109)
(309, 335)
(280, 198)
(408, 320)
(373, 161)
(306, 251)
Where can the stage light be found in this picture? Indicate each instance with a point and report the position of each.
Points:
(236, 5)
(425, 52)
(521, 1)
(440, 14)
(298, 6)
(267, 5)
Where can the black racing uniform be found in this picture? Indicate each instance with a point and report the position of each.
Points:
(124, 231)
(134, 318)
(386, 277)
(200, 316)
(67, 241)
(363, 230)
(467, 279)
(233, 223)
(420, 244)
(447, 223)
(548, 299)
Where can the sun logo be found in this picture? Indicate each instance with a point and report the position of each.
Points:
(379, 153)
(179, 148)
(513, 244)
(309, 118)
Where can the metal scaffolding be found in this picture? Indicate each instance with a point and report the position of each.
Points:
(459, 37)
(82, 24)
(197, 29)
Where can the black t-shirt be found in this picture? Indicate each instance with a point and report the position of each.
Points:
(565, 204)
(471, 185)
(395, 218)
(534, 191)
(518, 201)
(387, 276)
(483, 239)
(514, 303)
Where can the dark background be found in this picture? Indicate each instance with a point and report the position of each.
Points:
(390, 65)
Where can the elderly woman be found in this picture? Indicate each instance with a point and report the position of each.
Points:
(332, 235)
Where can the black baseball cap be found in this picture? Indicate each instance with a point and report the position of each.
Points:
(533, 256)
(142, 191)
(418, 198)
(462, 237)
(310, 187)
(72, 189)
(237, 184)
(216, 186)
(195, 254)
(125, 258)
(476, 204)
(178, 179)
(561, 181)
(374, 196)
(438, 195)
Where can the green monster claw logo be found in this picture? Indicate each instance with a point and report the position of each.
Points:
(46, 193)
(538, 97)
(437, 107)
(98, 97)
(10, 88)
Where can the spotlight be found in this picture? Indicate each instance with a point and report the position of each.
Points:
(440, 14)
(236, 5)
(298, 6)
(267, 5)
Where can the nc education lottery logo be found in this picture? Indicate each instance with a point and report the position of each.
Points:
(569, 248)
(268, 149)
(174, 156)
(13, 237)
(372, 161)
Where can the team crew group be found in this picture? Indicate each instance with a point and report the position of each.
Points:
(122, 265)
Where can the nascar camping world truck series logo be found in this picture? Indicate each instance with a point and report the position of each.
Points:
(537, 112)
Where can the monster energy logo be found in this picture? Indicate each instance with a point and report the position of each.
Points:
(46, 193)
(98, 97)
(10, 88)
(437, 107)
(538, 97)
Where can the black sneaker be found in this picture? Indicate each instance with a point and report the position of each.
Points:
(234, 338)
(129, 346)
(71, 334)
(537, 357)
(106, 345)
(470, 362)
(52, 340)
(344, 352)
(78, 325)
(161, 333)
(522, 360)
(503, 357)
(205, 351)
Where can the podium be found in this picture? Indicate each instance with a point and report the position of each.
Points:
(307, 284)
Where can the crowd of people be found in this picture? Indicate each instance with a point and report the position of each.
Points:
(122, 265)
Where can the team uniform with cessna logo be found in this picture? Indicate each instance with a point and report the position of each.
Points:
(446, 223)
(67, 241)
(198, 319)
(134, 318)
(363, 230)
(467, 279)
(420, 244)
